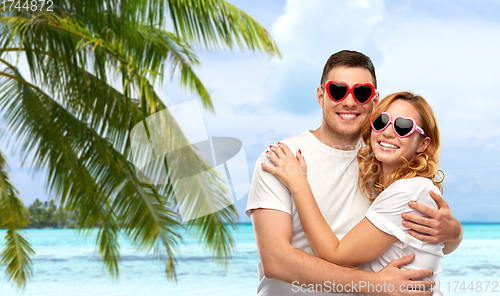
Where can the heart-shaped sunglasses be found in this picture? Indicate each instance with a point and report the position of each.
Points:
(403, 126)
(337, 91)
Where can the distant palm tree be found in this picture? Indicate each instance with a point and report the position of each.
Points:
(93, 64)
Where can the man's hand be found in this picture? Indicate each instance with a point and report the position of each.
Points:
(401, 280)
(440, 227)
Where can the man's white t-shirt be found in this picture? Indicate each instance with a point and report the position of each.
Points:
(333, 177)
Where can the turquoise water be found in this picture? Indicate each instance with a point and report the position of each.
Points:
(66, 264)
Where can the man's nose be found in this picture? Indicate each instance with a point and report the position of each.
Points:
(349, 101)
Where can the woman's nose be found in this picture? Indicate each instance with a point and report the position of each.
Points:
(389, 131)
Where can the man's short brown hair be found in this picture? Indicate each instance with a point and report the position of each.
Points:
(348, 58)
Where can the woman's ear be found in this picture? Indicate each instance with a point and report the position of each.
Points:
(423, 146)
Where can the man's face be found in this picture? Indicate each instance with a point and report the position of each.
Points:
(346, 117)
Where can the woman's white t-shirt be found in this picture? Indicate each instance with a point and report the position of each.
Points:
(385, 213)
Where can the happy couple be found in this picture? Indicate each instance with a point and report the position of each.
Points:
(362, 190)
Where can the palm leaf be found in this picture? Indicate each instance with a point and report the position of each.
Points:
(211, 23)
(215, 23)
(17, 251)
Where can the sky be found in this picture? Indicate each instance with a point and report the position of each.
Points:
(446, 51)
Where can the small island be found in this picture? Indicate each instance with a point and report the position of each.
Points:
(48, 215)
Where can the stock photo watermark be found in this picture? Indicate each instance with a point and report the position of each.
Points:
(27, 5)
(475, 287)
(471, 286)
(173, 148)
(355, 287)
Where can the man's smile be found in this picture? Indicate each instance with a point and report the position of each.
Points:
(348, 115)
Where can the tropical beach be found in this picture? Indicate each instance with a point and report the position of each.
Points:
(91, 90)
(67, 264)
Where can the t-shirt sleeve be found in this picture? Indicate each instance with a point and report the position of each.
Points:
(266, 191)
(385, 213)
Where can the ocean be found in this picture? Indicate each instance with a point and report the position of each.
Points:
(66, 264)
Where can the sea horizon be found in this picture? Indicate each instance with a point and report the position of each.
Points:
(249, 223)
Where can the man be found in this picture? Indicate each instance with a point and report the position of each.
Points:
(288, 266)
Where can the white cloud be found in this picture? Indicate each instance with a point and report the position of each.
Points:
(307, 34)
(310, 27)
(453, 64)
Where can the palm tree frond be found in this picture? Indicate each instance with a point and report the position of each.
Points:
(17, 250)
(217, 22)
(88, 174)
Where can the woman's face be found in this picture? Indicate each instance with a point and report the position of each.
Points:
(388, 147)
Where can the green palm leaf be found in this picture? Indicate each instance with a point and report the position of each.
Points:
(84, 171)
(93, 67)
(215, 23)
(17, 250)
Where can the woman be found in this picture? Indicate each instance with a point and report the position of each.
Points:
(399, 164)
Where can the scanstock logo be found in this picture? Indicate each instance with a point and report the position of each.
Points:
(173, 149)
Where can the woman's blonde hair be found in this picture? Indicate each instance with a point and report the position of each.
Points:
(424, 164)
